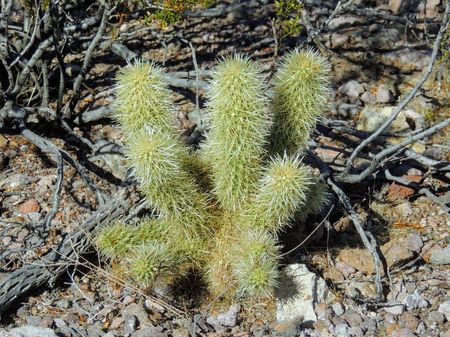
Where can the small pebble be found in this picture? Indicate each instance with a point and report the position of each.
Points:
(130, 324)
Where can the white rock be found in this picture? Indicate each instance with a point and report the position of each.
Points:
(395, 308)
(28, 331)
(351, 89)
(298, 292)
(383, 94)
(228, 318)
(444, 308)
(373, 117)
(338, 308)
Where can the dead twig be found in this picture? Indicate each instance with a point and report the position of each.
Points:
(407, 99)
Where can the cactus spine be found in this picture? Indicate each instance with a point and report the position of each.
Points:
(220, 209)
(301, 90)
(239, 121)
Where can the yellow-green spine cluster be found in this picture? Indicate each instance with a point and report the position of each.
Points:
(301, 90)
(143, 99)
(219, 210)
(239, 119)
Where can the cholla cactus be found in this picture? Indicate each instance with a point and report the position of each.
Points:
(143, 99)
(219, 210)
(239, 118)
(301, 91)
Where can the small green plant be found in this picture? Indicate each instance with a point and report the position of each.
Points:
(220, 209)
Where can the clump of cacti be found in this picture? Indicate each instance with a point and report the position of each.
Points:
(219, 209)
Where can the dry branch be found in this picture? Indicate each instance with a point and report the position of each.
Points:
(57, 261)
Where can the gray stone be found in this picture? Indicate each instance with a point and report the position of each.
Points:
(93, 331)
(441, 256)
(341, 330)
(347, 110)
(130, 324)
(34, 320)
(228, 319)
(346, 269)
(135, 309)
(109, 334)
(298, 292)
(356, 331)
(34, 216)
(369, 326)
(149, 332)
(434, 317)
(338, 308)
(444, 309)
(383, 94)
(404, 333)
(63, 304)
(395, 308)
(28, 331)
(352, 89)
(16, 180)
(421, 328)
(352, 317)
(414, 301)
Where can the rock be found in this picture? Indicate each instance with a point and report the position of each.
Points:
(404, 333)
(440, 256)
(360, 289)
(16, 181)
(352, 317)
(352, 89)
(6, 241)
(414, 301)
(46, 322)
(297, 293)
(356, 331)
(444, 309)
(33, 216)
(93, 331)
(130, 324)
(406, 60)
(383, 94)
(181, 332)
(29, 206)
(372, 117)
(135, 309)
(34, 320)
(369, 326)
(345, 269)
(421, 328)
(446, 334)
(368, 98)
(109, 334)
(286, 328)
(409, 321)
(64, 304)
(28, 331)
(434, 317)
(338, 308)
(152, 305)
(10, 153)
(396, 252)
(343, 21)
(347, 110)
(395, 308)
(3, 142)
(228, 319)
(116, 323)
(341, 330)
(149, 331)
